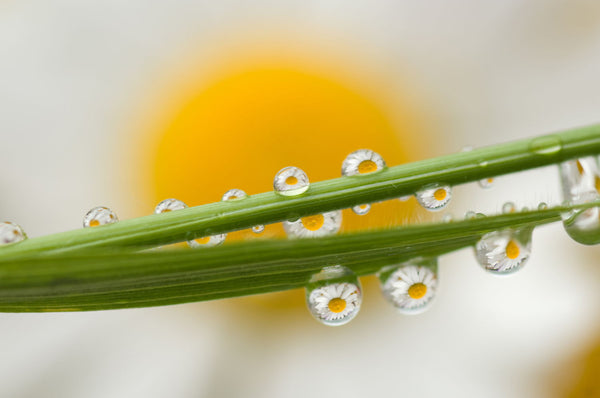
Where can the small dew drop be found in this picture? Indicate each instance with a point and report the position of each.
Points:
(99, 216)
(434, 197)
(404, 198)
(469, 215)
(314, 226)
(362, 161)
(504, 252)
(334, 296)
(410, 286)
(257, 229)
(542, 206)
(11, 233)
(168, 205)
(361, 210)
(207, 241)
(486, 183)
(447, 218)
(291, 181)
(508, 207)
(546, 145)
(234, 194)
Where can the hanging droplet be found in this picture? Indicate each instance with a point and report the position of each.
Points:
(99, 216)
(361, 210)
(447, 218)
(486, 183)
(317, 225)
(580, 180)
(504, 252)
(546, 145)
(234, 194)
(257, 229)
(410, 286)
(508, 207)
(11, 233)
(172, 204)
(434, 197)
(290, 181)
(542, 206)
(363, 161)
(334, 296)
(404, 198)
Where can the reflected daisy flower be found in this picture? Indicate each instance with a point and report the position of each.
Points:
(336, 303)
(362, 161)
(234, 194)
(411, 288)
(11, 233)
(503, 252)
(290, 181)
(98, 216)
(435, 197)
(580, 179)
(317, 225)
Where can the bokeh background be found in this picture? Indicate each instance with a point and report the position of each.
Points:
(126, 103)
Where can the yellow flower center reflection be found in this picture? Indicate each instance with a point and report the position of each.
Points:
(313, 223)
(512, 250)
(417, 291)
(337, 305)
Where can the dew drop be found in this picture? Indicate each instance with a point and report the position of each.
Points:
(446, 218)
(404, 198)
(486, 183)
(257, 229)
(508, 207)
(410, 286)
(363, 161)
(580, 180)
(290, 181)
(469, 215)
(546, 145)
(173, 204)
(234, 194)
(504, 252)
(314, 226)
(542, 206)
(361, 210)
(434, 197)
(11, 233)
(334, 296)
(99, 216)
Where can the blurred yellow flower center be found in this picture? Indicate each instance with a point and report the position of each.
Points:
(94, 223)
(232, 197)
(166, 210)
(313, 223)
(417, 291)
(337, 305)
(439, 194)
(597, 181)
(512, 250)
(367, 166)
(204, 240)
(580, 167)
(362, 207)
(291, 180)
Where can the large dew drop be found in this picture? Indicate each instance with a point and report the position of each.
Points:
(580, 180)
(434, 197)
(291, 181)
(11, 233)
(504, 252)
(411, 286)
(363, 161)
(334, 296)
(314, 226)
(99, 216)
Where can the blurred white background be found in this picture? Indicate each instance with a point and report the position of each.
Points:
(73, 74)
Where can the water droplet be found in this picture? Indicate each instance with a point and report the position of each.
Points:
(172, 204)
(168, 205)
(334, 296)
(434, 197)
(486, 183)
(480, 215)
(467, 148)
(234, 194)
(361, 210)
(99, 216)
(447, 218)
(317, 225)
(580, 180)
(546, 145)
(404, 198)
(11, 233)
(508, 207)
(542, 206)
(483, 163)
(290, 181)
(524, 209)
(504, 252)
(410, 286)
(257, 229)
(469, 215)
(363, 161)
